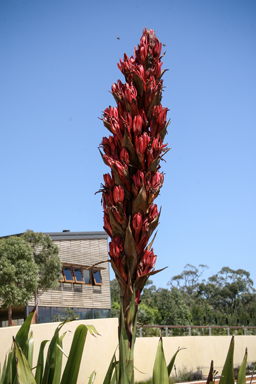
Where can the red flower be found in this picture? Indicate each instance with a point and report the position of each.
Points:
(153, 213)
(107, 225)
(137, 225)
(118, 194)
(137, 124)
(138, 179)
(109, 182)
(124, 156)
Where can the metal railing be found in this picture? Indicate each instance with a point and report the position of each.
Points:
(190, 327)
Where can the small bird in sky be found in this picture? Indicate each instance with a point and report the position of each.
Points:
(164, 45)
(118, 38)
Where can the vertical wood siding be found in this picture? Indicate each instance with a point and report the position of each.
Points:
(84, 253)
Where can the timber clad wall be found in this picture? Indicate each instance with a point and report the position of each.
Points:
(80, 252)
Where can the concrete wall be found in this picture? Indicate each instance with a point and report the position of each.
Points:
(199, 352)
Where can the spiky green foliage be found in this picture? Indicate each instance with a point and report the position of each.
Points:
(17, 367)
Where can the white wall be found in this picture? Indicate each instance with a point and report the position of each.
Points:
(199, 352)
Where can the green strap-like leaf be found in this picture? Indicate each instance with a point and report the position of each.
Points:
(241, 379)
(115, 377)
(122, 361)
(22, 340)
(9, 371)
(24, 373)
(171, 364)
(58, 361)
(71, 371)
(92, 330)
(40, 363)
(4, 372)
(92, 377)
(160, 372)
(227, 375)
(22, 335)
(30, 349)
(253, 373)
(62, 351)
(112, 365)
(51, 357)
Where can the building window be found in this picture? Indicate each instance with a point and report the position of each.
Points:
(96, 277)
(72, 274)
(78, 275)
(67, 274)
(87, 276)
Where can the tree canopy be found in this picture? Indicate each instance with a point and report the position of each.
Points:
(45, 254)
(18, 272)
(228, 297)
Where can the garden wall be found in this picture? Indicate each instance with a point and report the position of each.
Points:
(199, 352)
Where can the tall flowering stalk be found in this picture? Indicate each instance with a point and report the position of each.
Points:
(133, 151)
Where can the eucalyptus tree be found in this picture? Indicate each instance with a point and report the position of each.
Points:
(45, 254)
(18, 273)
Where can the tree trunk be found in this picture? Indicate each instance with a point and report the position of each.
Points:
(9, 315)
(36, 307)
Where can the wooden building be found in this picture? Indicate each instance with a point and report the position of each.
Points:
(85, 284)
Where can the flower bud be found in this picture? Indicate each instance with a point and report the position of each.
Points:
(114, 87)
(137, 124)
(137, 222)
(150, 156)
(138, 179)
(107, 225)
(141, 143)
(118, 194)
(124, 156)
(157, 180)
(153, 212)
(109, 183)
(114, 250)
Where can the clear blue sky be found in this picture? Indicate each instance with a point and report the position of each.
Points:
(58, 62)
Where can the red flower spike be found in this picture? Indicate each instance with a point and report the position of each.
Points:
(133, 151)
